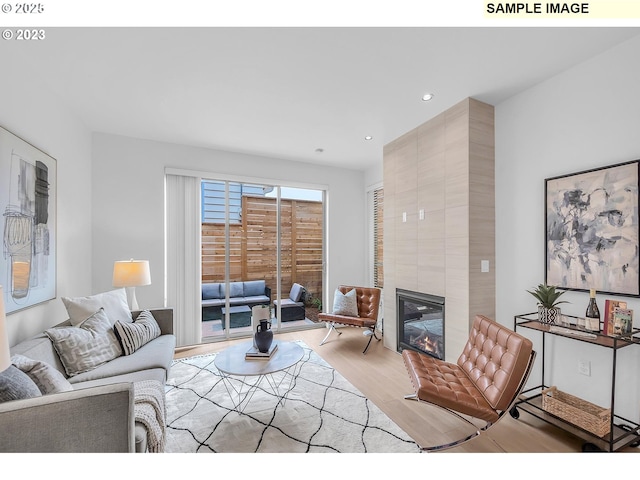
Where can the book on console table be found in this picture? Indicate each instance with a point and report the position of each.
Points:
(254, 354)
(610, 306)
(622, 321)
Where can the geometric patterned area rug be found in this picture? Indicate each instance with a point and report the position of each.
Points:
(322, 412)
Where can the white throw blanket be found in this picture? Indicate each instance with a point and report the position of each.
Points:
(150, 411)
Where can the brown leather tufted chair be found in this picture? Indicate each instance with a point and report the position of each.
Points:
(368, 305)
(484, 383)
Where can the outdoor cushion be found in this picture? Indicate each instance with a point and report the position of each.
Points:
(296, 292)
(256, 299)
(254, 288)
(236, 289)
(210, 290)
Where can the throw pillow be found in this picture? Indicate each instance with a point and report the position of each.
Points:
(47, 378)
(16, 385)
(345, 303)
(134, 335)
(114, 303)
(86, 346)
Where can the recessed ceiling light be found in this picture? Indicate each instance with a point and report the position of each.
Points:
(319, 150)
(427, 96)
(368, 137)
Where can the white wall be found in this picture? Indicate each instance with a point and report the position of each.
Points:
(128, 206)
(586, 117)
(38, 117)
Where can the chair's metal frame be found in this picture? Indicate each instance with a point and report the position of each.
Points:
(478, 431)
(370, 332)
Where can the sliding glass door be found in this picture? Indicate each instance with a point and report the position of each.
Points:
(263, 247)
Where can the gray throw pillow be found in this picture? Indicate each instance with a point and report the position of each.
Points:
(134, 335)
(86, 346)
(16, 385)
(345, 303)
(47, 378)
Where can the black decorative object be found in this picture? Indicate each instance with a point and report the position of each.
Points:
(263, 336)
(592, 226)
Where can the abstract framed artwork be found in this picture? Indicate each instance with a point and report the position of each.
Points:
(28, 223)
(592, 226)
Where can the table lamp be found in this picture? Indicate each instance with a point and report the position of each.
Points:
(131, 274)
(5, 359)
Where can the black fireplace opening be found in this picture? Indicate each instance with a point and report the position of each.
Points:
(420, 322)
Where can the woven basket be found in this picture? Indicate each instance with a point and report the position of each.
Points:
(581, 413)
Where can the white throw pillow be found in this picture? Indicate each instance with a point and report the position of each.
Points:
(114, 303)
(345, 303)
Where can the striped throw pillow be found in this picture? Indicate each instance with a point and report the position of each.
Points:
(134, 335)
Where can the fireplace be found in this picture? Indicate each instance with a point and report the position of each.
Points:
(420, 319)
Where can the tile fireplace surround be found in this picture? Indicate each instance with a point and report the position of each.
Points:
(439, 218)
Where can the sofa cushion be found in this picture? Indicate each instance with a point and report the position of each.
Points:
(47, 378)
(211, 290)
(236, 289)
(134, 335)
(345, 303)
(256, 299)
(40, 347)
(158, 353)
(254, 288)
(86, 346)
(213, 302)
(114, 304)
(16, 385)
(296, 292)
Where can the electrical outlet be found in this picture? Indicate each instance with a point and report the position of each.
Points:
(584, 367)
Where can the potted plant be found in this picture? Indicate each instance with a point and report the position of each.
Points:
(547, 296)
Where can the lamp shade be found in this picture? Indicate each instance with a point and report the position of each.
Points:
(131, 273)
(5, 359)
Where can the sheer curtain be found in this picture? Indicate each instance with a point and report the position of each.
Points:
(184, 269)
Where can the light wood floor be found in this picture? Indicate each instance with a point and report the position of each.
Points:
(381, 376)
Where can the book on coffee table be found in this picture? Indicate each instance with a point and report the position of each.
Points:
(254, 354)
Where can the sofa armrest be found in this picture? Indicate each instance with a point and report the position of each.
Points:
(267, 292)
(164, 317)
(96, 419)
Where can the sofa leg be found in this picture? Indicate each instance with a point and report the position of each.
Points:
(332, 328)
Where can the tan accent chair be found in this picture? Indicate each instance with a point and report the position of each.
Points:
(368, 305)
(484, 383)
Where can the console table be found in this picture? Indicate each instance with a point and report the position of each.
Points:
(623, 432)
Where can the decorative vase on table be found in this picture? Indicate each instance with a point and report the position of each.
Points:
(263, 336)
(549, 315)
(547, 296)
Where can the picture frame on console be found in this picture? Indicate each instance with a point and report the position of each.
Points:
(592, 230)
(28, 208)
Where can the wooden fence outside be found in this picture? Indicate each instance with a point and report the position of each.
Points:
(253, 245)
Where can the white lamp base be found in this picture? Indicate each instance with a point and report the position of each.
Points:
(133, 302)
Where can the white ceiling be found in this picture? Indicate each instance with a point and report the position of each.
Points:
(285, 92)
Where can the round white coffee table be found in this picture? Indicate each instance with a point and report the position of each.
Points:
(238, 373)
